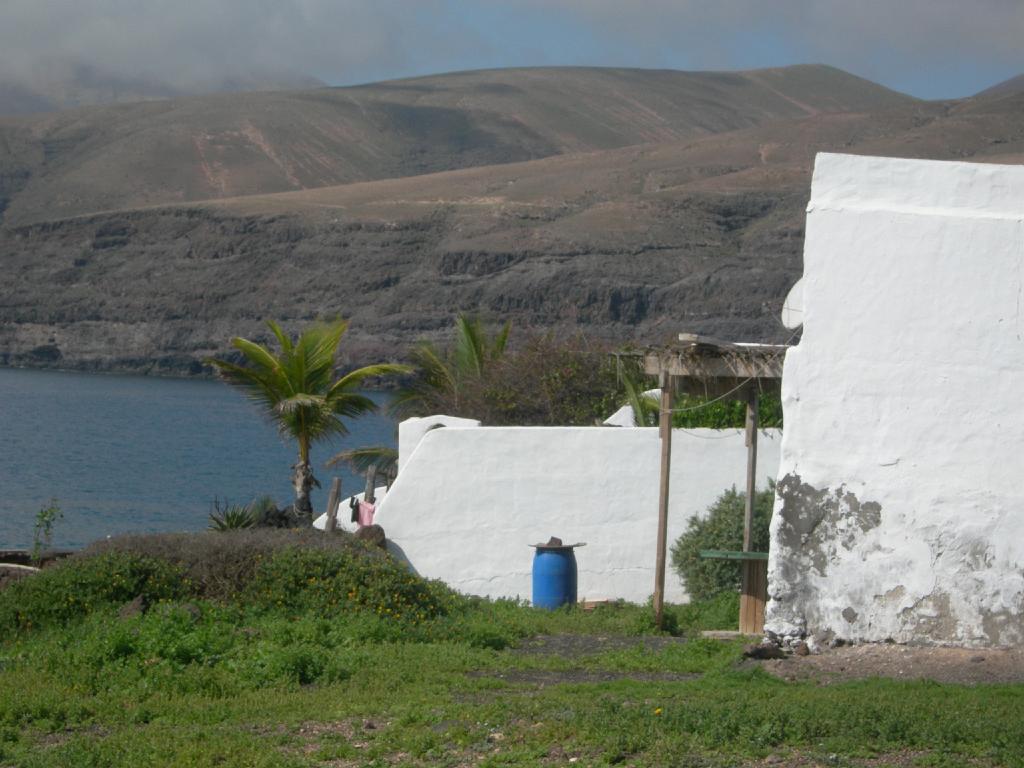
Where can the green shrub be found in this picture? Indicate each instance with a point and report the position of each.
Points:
(692, 412)
(721, 528)
(222, 565)
(79, 585)
(326, 581)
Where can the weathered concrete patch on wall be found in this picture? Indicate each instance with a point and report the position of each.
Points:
(814, 522)
(900, 511)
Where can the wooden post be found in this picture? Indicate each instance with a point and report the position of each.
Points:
(665, 430)
(748, 510)
(371, 484)
(332, 506)
(755, 572)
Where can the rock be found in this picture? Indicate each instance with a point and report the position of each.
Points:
(764, 651)
(372, 534)
(136, 607)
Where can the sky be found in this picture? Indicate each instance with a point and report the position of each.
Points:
(928, 48)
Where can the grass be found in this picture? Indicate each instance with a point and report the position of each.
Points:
(283, 676)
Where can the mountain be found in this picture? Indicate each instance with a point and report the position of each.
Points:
(108, 158)
(61, 85)
(625, 229)
(1009, 87)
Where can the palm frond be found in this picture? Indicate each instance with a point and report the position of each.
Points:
(257, 355)
(282, 338)
(296, 402)
(355, 379)
(645, 407)
(361, 460)
(500, 341)
(470, 346)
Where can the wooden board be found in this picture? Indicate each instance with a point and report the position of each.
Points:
(727, 554)
(753, 596)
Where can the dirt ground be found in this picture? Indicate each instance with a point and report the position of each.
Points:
(830, 665)
(571, 646)
(943, 665)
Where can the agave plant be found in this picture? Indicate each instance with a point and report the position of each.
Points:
(297, 390)
(232, 517)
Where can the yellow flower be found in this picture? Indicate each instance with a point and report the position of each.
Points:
(657, 710)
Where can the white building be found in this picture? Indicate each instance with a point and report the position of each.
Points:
(900, 511)
(470, 500)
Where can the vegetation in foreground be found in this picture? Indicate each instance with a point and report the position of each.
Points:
(280, 648)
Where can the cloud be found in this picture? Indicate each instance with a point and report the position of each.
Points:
(916, 44)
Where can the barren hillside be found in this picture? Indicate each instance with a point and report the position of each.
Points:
(108, 158)
(698, 231)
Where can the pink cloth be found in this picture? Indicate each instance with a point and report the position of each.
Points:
(366, 510)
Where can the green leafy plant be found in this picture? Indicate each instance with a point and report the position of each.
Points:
(297, 390)
(79, 585)
(42, 531)
(231, 517)
(694, 412)
(722, 529)
(441, 378)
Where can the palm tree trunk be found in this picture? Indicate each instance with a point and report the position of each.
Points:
(303, 482)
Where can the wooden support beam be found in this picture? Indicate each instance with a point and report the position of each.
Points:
(753, 596)
(332, 505)
(748, 511)
(739, 365)
(754, 580)
(665, 430)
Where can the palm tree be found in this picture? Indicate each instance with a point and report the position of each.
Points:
(297, 390)
(441, 377)
(645, 407)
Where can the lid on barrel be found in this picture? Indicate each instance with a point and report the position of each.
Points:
(556, 543)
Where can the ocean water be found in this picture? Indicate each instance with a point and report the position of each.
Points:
(133, 453)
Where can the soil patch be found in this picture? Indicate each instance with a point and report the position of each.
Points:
(944, 665)
(571, 646)
(545, 677)
(902, 759)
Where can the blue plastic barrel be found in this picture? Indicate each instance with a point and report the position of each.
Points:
(554, 577)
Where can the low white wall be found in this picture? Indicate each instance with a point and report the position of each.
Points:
(469, 501)
(900, 510)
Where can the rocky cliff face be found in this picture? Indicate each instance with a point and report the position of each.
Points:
(624, 229)
(158, 291)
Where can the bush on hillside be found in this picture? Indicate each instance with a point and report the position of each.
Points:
(77, 586)
(325, 581)
(221, 565)
(270, 570)
(721, 528)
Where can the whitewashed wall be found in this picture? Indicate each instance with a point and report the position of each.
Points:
(470, 500)
(901, 503)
